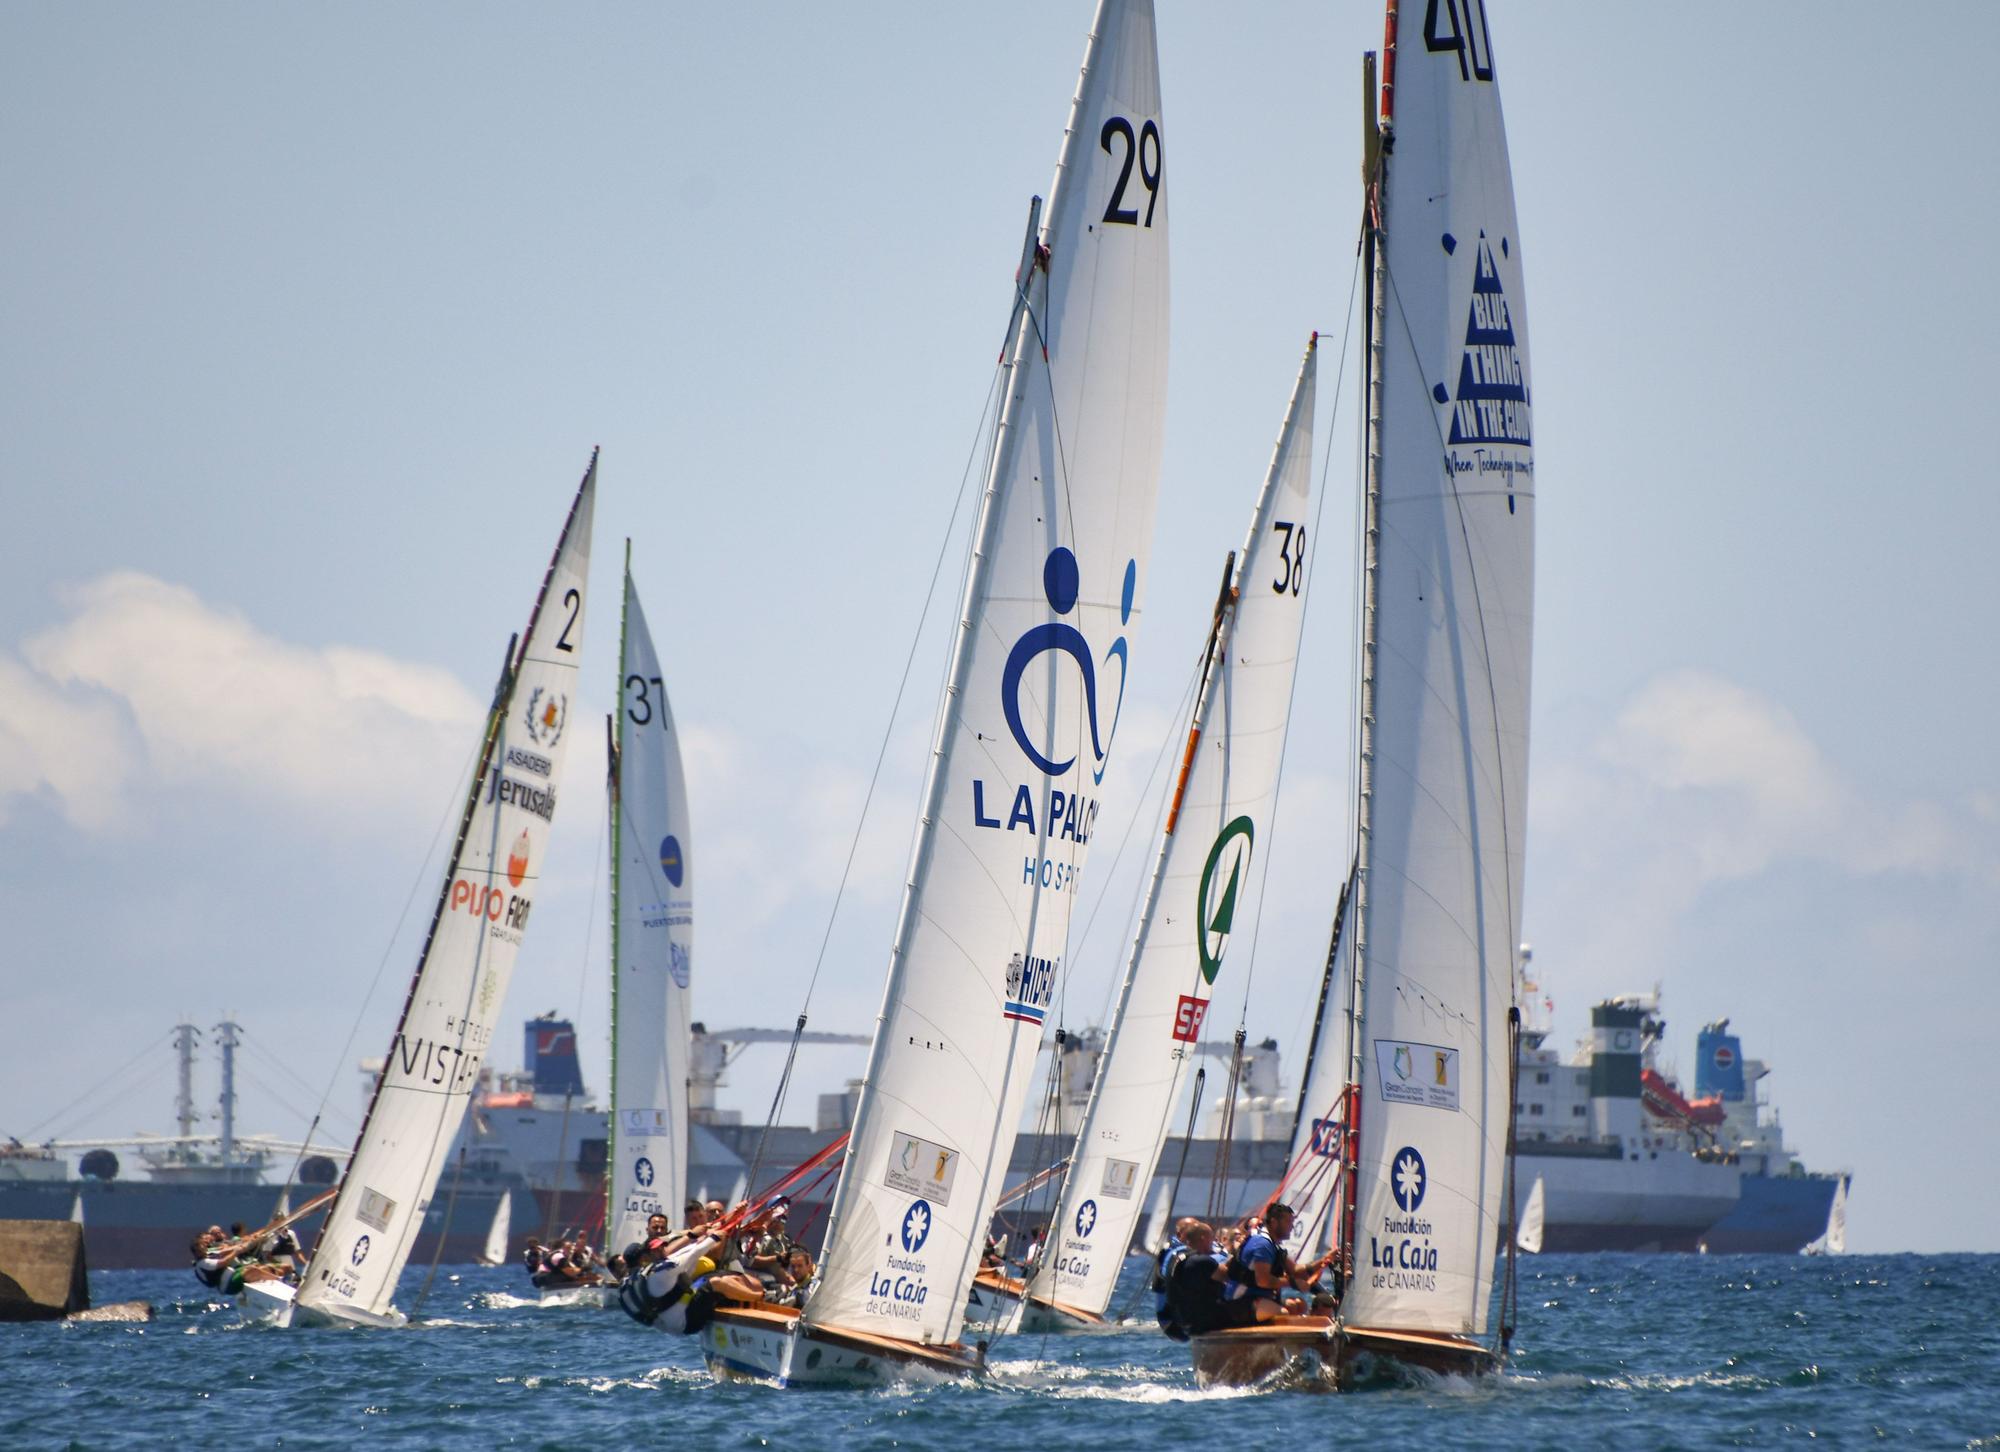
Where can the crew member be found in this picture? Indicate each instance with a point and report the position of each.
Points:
(1201, 1296)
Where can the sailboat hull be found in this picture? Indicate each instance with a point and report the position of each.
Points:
(1002, 1301)
(1318, 1350)
(768, 1344)
(275, 1303)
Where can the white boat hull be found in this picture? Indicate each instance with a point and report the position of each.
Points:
(275, 1303)
(751, 1344)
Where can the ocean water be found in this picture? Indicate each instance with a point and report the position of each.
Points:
(1613, 1351)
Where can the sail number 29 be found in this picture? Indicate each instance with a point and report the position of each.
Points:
(1467, 35)
(1143, 147)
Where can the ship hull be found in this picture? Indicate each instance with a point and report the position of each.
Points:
(1663, 1203)
(1777, 1215)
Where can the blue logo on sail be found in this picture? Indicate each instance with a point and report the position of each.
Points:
(916, 1226)
(1031, 987)
(670, 860)
(1407, 1180)
(1086, 1219)
(1061, 581)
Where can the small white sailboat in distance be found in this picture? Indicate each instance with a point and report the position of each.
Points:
(499, 1232)
(491, 880)
(1529, 1235)
(1833, 1239)
(1025, 730)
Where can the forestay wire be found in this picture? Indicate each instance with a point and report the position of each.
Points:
(874, 777)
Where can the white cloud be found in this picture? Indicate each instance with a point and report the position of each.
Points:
(1699, 781)
(147, 679)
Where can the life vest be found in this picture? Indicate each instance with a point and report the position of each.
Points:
(1165, 1308)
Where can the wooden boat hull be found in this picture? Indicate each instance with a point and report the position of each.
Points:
(1319, 1349)
(768, 1344)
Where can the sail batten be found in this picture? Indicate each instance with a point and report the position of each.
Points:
(460, 982)
(1028, 719)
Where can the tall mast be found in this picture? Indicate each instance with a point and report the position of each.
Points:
(1378, 133)
(614, 731)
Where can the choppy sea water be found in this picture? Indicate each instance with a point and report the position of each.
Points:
(1614, 1351)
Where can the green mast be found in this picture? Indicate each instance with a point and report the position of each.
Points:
(614, 734)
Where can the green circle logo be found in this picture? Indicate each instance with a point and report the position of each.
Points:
(1218, 914)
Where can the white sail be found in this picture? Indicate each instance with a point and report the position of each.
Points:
(1529, 1235)
(1157, 1209)
(1028, 721)
(1836, 1221)
(1833, 1239)
(455, 998)
(652, 946)
(499, 1232)
(76, 1209)
(1445, 731)
(284, 1204)
(1203, 888)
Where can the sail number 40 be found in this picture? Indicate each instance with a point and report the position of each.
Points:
(1474, 46)
(1136, 149)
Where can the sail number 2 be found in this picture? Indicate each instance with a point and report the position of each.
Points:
(1474, 47)
(1136, 149)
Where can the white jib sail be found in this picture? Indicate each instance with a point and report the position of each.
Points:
(1028, 720)
(652, 947)
(500, 1231)
(1446, 757)
(1529, 1236)
(448, 1020)
(1203, 891)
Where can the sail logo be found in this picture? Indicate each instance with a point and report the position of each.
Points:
(547, 714)
(916, 1227)
(1424, 1074)
(1086, 1219)
(1031, 988)
(919, 1167)
(1490, 404)
(642, 1171)
(508, 909)
(1061, 582)
(517, 860)
(360, 1252)
(1407, 1180)
(1218, 913)
(1326, 1137)
(679, 964)
(1188, 1014)
(670, 859)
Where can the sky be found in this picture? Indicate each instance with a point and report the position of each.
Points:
(310, 319)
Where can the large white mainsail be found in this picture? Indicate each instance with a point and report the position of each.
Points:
(1447, 608)
(447, 1023)
(1203, 886)
(1028, 720)
(652, 944)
